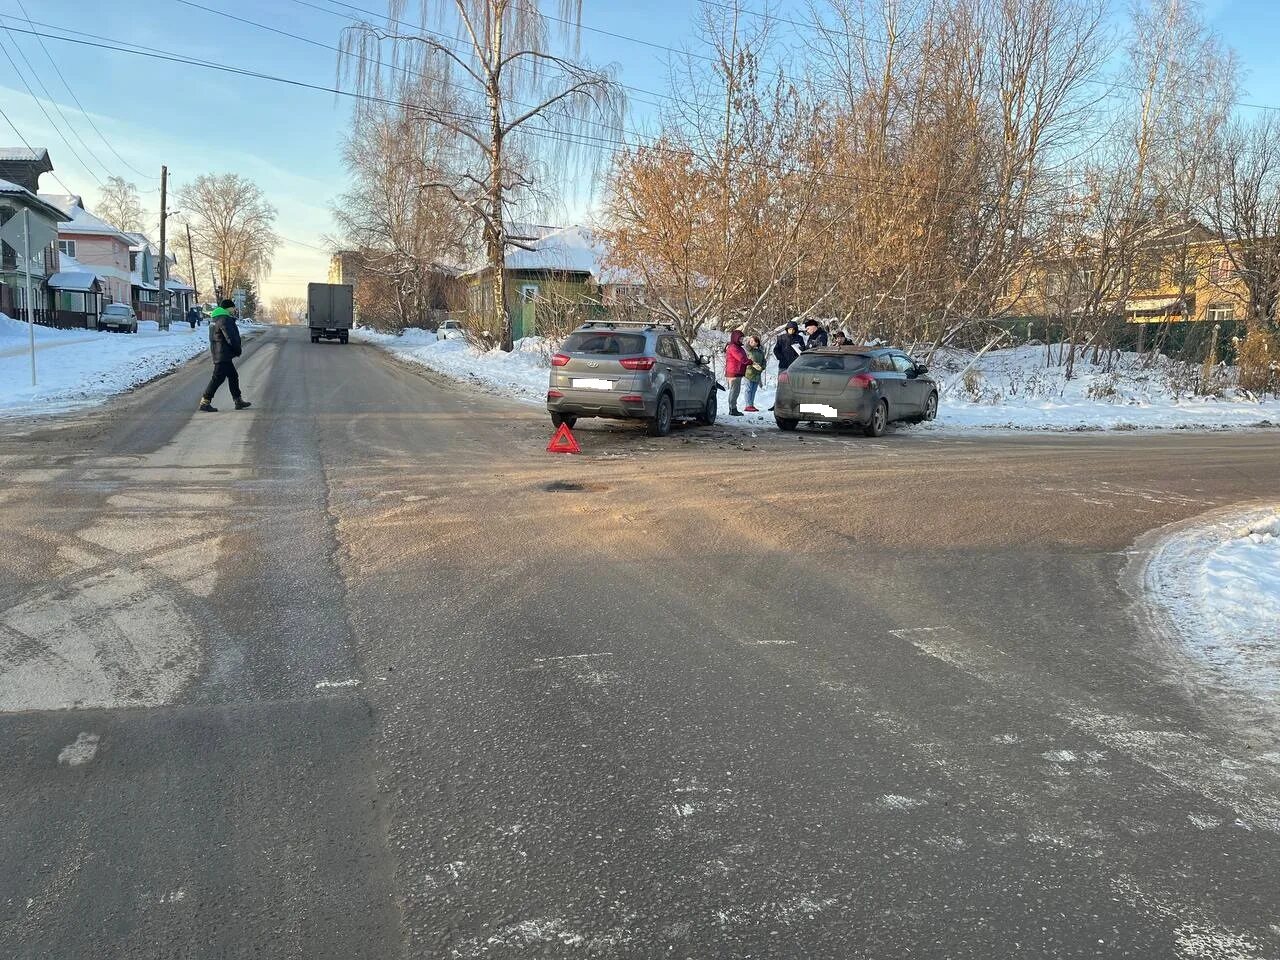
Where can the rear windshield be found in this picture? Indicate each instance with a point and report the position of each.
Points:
(834, 363)
(605, 343)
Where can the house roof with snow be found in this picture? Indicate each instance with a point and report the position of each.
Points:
(82, 221)
(73, 280)
(572, 249)
(23, 153)
(9, 188)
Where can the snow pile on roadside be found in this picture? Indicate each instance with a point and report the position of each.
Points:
(1027, 388)
(1020, 388)
(1216, 588)
(521, 374)
(78, 368)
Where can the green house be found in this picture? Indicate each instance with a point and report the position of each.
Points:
(548, 268)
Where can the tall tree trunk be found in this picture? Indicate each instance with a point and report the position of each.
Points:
(497, 228)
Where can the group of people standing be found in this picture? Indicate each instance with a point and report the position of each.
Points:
(744, 358)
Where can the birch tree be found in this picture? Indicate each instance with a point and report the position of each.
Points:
(530, 112)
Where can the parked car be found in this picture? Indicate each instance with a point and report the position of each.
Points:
(449, 330)
(855, 385)
(631, 371)
(119, 317)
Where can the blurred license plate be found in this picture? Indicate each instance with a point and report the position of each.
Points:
(818, 408)
(592, 384)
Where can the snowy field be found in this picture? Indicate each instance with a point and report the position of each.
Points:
(1022, 388)
(1215, 589)
(79, 368)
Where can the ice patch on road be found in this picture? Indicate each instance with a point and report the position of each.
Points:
(82, 751)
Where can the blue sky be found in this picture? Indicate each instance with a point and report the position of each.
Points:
(287, 139)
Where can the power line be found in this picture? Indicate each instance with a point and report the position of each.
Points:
(552, 135)
(84, 113)
(31, 93)
(545, 133)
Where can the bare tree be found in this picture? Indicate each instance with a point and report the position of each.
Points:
(1244, 210)
(505, 92)
(118, 204)
(405, 239)
(232, 227)
(288, 310)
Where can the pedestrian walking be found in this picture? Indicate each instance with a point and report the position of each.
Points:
(193, 317)
(815, 335)
(224, 346)
(735, 365)
(754, 372)
(788, 346)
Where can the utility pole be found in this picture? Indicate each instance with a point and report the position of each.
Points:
(164, 214)
(191, 259)
(217, 294)
(31, 304)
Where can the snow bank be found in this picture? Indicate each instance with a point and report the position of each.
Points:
(1021, 388)
(78, 368)
(1215, 588)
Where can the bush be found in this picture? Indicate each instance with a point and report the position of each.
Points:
(1258, 357)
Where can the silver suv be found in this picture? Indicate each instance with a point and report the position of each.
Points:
(631, 371)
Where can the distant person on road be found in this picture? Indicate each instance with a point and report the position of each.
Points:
(735, 365)
(788, 346)
(224, 346)
(754, 372)
(193, 317)
(815, 336)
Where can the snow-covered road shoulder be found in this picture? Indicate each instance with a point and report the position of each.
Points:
(1213, 590)
(80, 368)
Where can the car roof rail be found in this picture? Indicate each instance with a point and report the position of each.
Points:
(644, 324)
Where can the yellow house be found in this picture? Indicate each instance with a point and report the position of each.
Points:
(1182, 278)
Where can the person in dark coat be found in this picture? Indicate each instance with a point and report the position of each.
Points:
(193, 317)
(788, 346)
(816, 336)
(224, 346)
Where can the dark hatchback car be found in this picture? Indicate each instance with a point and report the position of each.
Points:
(869, 387)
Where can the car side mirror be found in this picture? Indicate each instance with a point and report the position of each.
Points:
(921, 368)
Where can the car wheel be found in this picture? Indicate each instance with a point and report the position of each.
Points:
(879, 420)
(786, 423)
(710, 409)
(557, 419)
(660, 422)
(931, 407)
(315, 339)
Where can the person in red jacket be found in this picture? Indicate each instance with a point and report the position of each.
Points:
(735, 365)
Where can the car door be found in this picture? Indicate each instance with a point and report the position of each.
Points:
(702, 379)
(912, 403)
(668, 355)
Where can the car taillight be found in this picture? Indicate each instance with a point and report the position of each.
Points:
(559, 360)
(554, 394)
(784, 377)
(637, 363)
(864, 380)
(632, 398)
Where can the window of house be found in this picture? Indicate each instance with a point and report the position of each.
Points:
(1184, 273)
(1220, 271)
(1220, 313)
(67, 247)
(133, 260)
(529, 292)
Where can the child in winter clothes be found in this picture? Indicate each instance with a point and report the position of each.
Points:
(754, 372)
(735, 365)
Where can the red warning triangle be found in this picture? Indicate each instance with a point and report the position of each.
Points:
(563, 441)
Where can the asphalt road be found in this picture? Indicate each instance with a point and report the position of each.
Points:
(363, 672)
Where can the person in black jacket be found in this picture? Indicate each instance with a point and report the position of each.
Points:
(817, 337)
(788, 346)
(224, 346)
